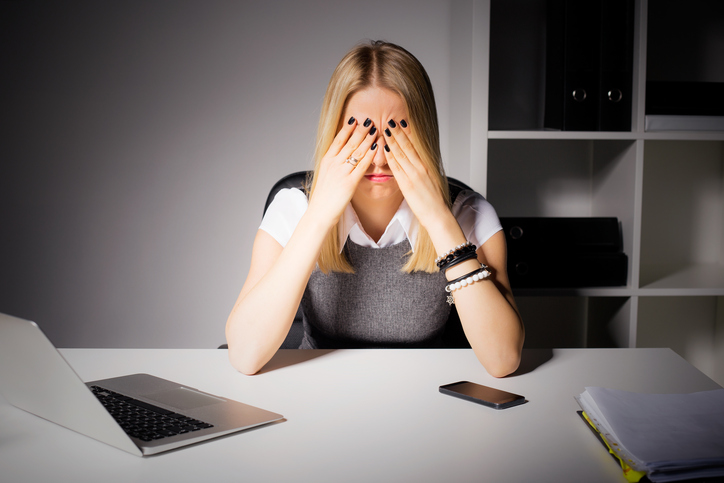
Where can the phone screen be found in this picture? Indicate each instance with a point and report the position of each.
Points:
(488, 396)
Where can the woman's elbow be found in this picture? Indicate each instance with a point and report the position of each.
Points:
(243, 359)
(501, 370)
(242, 362)
(240, 358)
(503, 366)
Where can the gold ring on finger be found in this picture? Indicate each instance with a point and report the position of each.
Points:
(352, 160)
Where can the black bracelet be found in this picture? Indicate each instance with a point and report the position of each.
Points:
(439, 259)
(483, 268)
(451, 258)
(467, 256)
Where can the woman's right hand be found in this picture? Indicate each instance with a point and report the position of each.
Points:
(337, 179)
(260, 320)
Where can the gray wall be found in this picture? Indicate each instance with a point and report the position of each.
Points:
(139, 141)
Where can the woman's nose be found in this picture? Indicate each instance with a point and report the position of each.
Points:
(379, 159)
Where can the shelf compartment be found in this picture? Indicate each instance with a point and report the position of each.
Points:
(553, 321)
(693, 280)
(517, 70)
(682, 235)
(691, 326)
(565, 178)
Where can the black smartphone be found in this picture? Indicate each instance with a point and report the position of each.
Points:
(487, 396)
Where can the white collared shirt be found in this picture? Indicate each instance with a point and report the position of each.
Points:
(475, 214)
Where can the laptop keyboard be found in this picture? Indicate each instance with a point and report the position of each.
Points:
(146, 421)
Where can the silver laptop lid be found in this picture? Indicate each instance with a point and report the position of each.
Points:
(35, 377)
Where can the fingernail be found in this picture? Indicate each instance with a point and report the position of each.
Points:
(403, 123)
(373, 130)
(391, 123)
(387, 148)
(373, 147)
(367, 122)
(387, 131)
(351, 120)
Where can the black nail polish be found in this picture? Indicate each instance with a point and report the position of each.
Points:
(391, 123)
(387, 131)
(367, 122)
(387, 148)
(351, 120)
(373, 130)
(373, 147)
(403, 123)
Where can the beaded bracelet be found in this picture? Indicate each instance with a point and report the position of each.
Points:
(445, 260)
(476, 275)
(440, 258)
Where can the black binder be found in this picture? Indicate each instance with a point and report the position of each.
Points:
(616, 63)
(565, 252)
(571, 65)
(589, 62)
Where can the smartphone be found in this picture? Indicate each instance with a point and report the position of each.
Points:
(487, 396)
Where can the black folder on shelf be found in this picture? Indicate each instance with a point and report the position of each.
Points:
(571, 65)
(565, 252)
(615, 90)
(589, 65)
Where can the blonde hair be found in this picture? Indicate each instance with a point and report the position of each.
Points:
(384, 65)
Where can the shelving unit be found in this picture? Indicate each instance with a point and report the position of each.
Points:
(666, 188)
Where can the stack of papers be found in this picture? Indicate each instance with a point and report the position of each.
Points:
(668, 437)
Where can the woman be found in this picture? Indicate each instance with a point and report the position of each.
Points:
(361, 254)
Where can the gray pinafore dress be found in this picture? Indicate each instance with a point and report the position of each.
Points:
(377, 306)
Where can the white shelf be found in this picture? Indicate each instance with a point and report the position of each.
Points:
(575, 292)
(547, 134)
(706, 280)
(683, 136)
(703, 280)
(609, 135)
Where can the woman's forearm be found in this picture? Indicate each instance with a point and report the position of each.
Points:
(265, 309)
(492, 326)
(486, 308)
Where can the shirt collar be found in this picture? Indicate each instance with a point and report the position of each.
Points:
(403, 225)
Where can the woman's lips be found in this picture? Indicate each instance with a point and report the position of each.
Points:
(378, 177)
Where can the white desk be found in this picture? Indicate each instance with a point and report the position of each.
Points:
(359, 415)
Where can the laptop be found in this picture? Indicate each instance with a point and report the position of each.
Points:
(138, 413)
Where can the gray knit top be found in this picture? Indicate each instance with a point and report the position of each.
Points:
(377, 306)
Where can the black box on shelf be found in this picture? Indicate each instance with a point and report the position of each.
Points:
(685, 98)
(565, 252)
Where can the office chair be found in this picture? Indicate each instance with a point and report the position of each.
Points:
(454, 336)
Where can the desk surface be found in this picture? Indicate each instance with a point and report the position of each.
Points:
(359, 415)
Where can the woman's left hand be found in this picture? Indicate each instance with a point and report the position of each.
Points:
(417, 185)
(488, 314)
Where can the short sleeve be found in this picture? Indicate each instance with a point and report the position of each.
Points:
(476, 217)
(284, 213)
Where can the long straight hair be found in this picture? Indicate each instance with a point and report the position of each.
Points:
(389, 66)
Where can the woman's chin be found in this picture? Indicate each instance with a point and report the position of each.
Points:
(380, 190)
